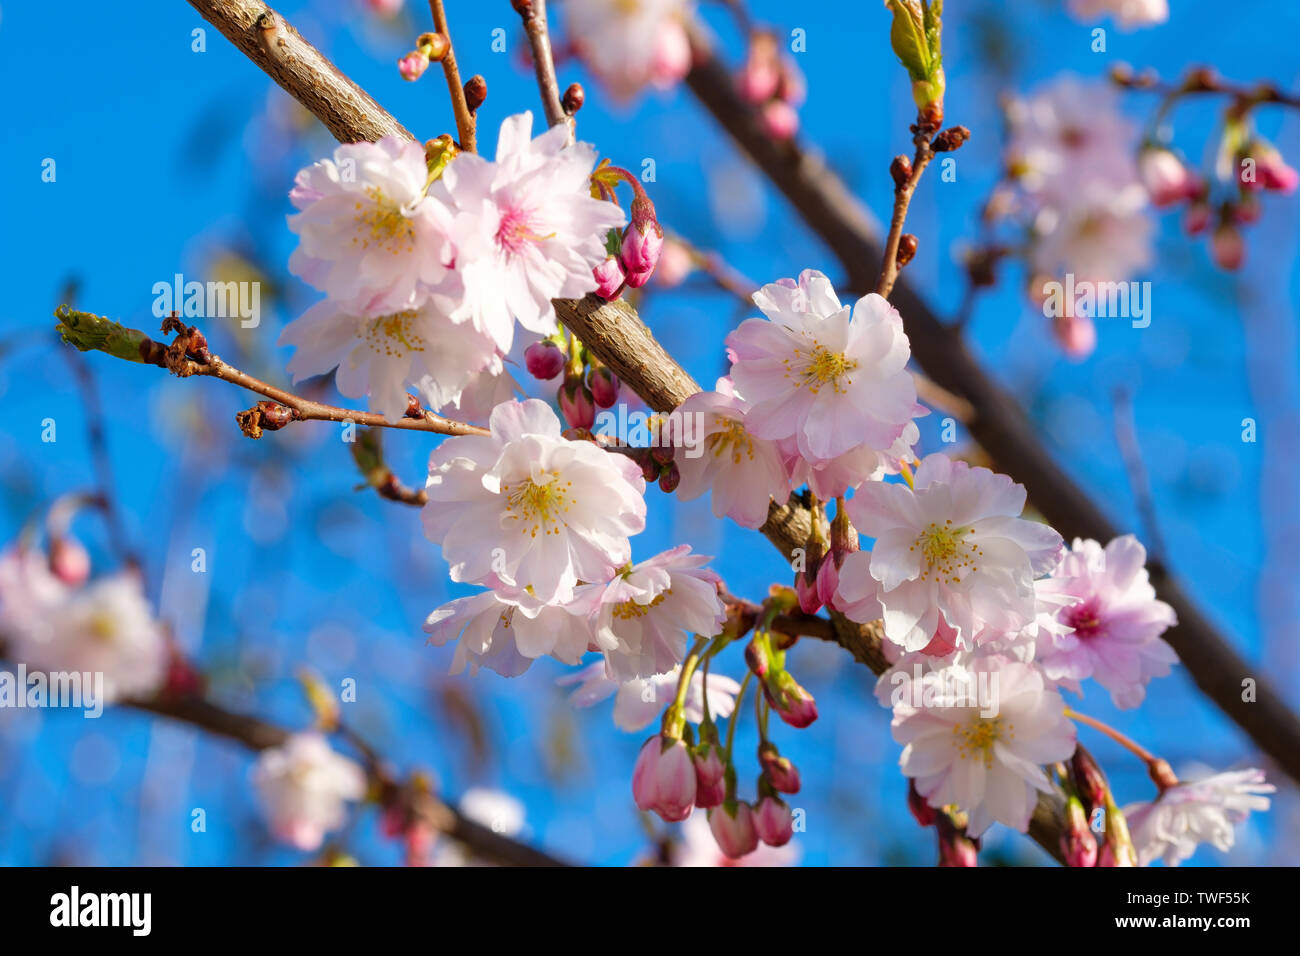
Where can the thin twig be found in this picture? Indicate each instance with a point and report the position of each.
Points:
(465, 123)
(889, 266)
(533, 13)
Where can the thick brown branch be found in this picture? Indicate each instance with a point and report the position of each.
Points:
(261, 735)
(997, 422)
(303, 71)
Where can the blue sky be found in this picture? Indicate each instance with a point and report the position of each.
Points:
(167, 158)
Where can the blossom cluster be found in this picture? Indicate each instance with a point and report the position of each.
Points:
(428, 261)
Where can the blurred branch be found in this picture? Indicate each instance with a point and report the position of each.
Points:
(998, 423)
(261, 735)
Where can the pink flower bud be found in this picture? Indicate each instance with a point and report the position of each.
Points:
(1166, 178)
(413, 65)
(828, 580)
(609, 278)
(794, 704)
(1076, 334)
(577, 405)
(780, 772)
(810, 601)
(69, 561)
(642, 244)
(773, 821)
(544, 359)
(780, 120)
(385, 8)
(1227, 247)
(1078, 845)
(604, 386)
(756, 657)
(1245, 211)
(710, 776)
(733, 827)
(664, 778)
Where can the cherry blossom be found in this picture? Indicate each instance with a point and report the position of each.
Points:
(744, 473)
(383, 356)
(304, 787)
(105, 626)
(955, 547)
(526, 508)
(631, 45)
(525, 228)
(1129, 14)
(368, 236)
(990, 766)
(643, 613)
(1114, 626)
(664, 778)
(507, 629)
(829, 376)
(639, 701)
(1204, 811)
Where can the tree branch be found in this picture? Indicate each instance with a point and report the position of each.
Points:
(301, 70)
(997, 421)
(465, 122)
(260, 735)
(533, 13)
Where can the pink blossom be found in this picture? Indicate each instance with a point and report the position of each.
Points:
(710, 776)
(413, 65)
(743, 472)
(831, 377)
(780, 120)
(525, 228)
(1116, 620)
(368, 236)
(526, 508)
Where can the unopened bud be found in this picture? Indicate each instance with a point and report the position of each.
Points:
(1078, 845)
(924, 813)
(475, 92)
(907, 244)
(433, 45)
(952, 138)
(901, 170)
(670, 478)
(544, 360)
(574, 97)
(413, 65)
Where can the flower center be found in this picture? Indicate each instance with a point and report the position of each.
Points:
(516, 231)
(630, 609)
(818, 366)
(945, 551)
(1084, 618)
(102, 627)
(389, 228)
(538, 504)
(977, 737)
(731, 434)
(394, 334)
